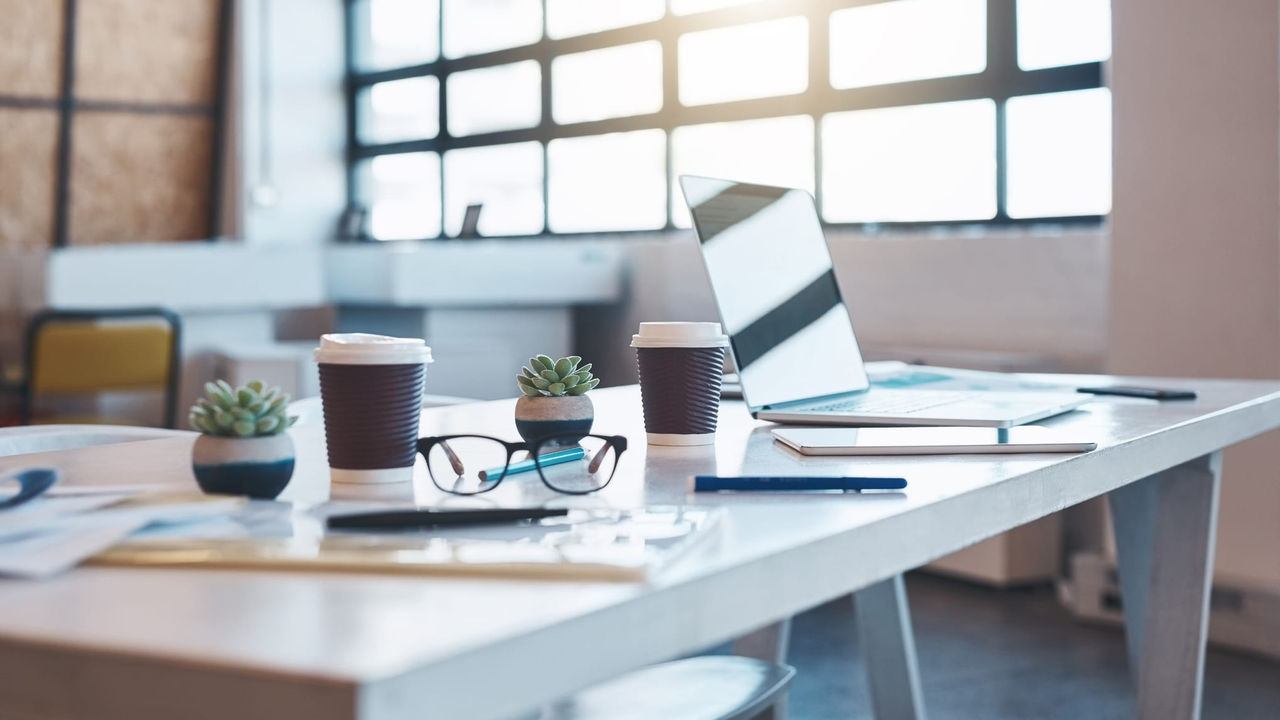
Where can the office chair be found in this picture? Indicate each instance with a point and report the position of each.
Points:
(86, 352)
(710, 687)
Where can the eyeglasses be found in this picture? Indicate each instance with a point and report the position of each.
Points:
(474, 464)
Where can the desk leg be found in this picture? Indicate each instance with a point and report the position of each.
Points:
(769, 643)
(889, 650)
(1165, 526)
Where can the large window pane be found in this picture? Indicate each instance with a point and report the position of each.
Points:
(744, 61)
(686, 7)
(774, 151)
(477, 26)
(502, 97)
(1063, 32)
(907, 40)
(400, 110)
(1059, 154)
(403, 195)
(566, 18)
(614, 82)
(395, 33)
(506, 178)
(918, 163)
(608, 182)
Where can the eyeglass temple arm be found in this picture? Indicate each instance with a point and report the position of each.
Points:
(601, 454)
(454, 460)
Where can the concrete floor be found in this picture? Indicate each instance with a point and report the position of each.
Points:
(987, 654)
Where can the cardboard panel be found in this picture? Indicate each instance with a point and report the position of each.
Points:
(161, 51)
(31, 47)
(28, 166)
(139, 177)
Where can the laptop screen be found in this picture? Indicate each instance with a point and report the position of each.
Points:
(772, 278)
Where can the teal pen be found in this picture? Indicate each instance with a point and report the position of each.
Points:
(551, 458)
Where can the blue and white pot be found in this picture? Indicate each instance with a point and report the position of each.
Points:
(259, 467)
(570, 416)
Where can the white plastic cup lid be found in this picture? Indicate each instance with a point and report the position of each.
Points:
(369, 349)
(679, 335)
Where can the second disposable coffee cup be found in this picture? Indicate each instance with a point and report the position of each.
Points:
(681, 365)
(371, 390)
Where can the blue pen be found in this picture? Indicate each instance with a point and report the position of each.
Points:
(551, 458)
(712, 483)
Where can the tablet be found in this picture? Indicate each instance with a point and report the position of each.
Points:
(931, 440)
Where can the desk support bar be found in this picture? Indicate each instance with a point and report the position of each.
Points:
(889, 650)
(1165, 526)
(770, 644)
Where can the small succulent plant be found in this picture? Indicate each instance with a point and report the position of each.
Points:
(252, 410)
(556, 378)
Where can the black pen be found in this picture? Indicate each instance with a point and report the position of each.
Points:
(423, 519)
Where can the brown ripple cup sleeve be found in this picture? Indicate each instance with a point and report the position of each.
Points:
(371, 390)
(680, 366)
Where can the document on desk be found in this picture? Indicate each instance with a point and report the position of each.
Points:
(50, 535)
(587, 544)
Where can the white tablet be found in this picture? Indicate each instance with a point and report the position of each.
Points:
(931, 440)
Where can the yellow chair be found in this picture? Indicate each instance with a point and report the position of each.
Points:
(95, 351)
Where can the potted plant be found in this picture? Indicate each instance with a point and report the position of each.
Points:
(554, 399)
(243, 448)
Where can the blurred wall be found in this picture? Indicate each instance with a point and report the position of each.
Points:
(1195, 263)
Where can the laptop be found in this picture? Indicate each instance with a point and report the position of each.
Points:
(790, 332)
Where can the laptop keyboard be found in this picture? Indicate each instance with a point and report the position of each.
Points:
(893, 402)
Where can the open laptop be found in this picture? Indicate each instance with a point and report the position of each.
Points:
(790, 333)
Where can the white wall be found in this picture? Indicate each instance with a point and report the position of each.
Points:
(1195, 270)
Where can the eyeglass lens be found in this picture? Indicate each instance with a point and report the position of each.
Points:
(467, 465)
(578, 474)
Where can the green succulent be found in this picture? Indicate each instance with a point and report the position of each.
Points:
(252, 410)
(544, 377)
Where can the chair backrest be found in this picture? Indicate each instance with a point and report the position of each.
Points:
(77, 352)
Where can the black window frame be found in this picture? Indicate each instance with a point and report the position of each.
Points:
(66, 104)
(1001, 80)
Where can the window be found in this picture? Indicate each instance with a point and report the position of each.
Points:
(578, 116)
(910, 164)
(744, 61)
(609, 83)
(895, 42)
(607, 182)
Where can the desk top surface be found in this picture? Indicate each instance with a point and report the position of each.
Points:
(390, 637)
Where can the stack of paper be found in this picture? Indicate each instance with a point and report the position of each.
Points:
(54, 533)
(594, 544)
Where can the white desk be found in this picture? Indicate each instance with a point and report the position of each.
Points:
(130, 643)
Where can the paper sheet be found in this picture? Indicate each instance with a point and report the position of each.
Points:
(597, 544)
(52, 534)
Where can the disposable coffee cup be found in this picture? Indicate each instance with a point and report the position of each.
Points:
(681, 365)
(371, 390)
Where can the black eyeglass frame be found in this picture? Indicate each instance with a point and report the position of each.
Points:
(617, 442)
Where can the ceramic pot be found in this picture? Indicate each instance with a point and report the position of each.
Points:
(540, 417)
(259, 467)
